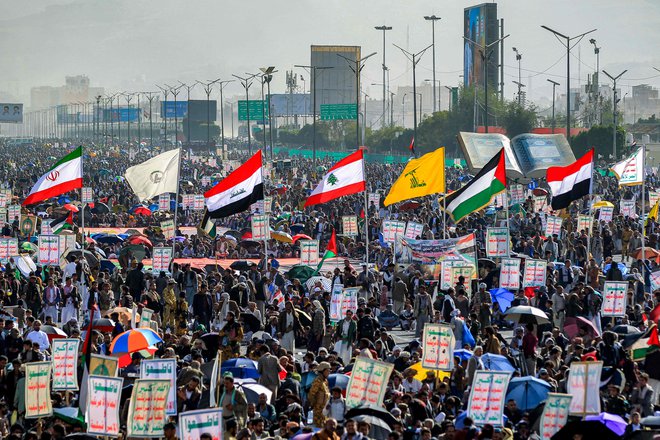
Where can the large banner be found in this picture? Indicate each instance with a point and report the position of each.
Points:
(555, 414)
(349, 225)
(614, 298)
(162, 256)
(497, 242)
(65, 364)
(164, 369)
(553, 226)
(103, 404)
(147, 408)
(192, 424)
(11, 112)
(341, 301)
(436, 251)
(100, 365)
(584, 386)
(414, 230)
(438, 347)
(368, 382)
(49, 250)
(392, 228)
(37, 390)
(309, 252)
(534, 273)
(510, 273)
(488, 396)
(260, 227)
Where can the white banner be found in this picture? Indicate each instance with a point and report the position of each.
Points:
(349, 225)
(49, 250)
(488, 397)
(553, 226)
(161, 258)
(614, 298)
(65, 364)
(438, 347)
(37, 390)
(510, 273)
(260, 227)
(497, 242)
(309, 252)
(164, 369)
(414, 230)
(555, 414)
(606, 214)
(392, 228)
(192, 424)
(584, 386)
(147, 408)
(103, 404)
(534, 273)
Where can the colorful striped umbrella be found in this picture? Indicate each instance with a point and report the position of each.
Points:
(134, 340)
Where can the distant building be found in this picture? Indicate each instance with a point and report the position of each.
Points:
(75, 89)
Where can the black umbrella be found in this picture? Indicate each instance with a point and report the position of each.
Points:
(372, 410)
(251, 322)
(588, 429)
(73, 254)
(642, 435)
(377, 426)
(249, 243)
(304, 318)
(100, 208)
(241, 265)
(212, 342)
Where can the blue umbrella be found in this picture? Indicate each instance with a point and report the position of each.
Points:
(108, 239)
(502, 296)
(622, 268)
(241, 368)
(63, 200)
(153, 207)
(108, 265)
(172, 204)
(463, 354)
(527, 391)
(496, 362)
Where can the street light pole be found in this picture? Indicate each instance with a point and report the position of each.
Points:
(175, 91)
(451, 98)
(208, 88)
(222, 114)
(188, 88)
(384, 28)
(567, 44)
(313, 72)
(247, 82)
(518, 58)
(554, 84)
(356, 66)
(596, 80)
(150, 97)
(433, 19)
(163, 109)
(614, 102)
(486, 51)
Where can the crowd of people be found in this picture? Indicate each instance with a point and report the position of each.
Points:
(234, 309)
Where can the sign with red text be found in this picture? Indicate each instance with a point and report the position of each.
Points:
(628, 208)
(374, 198)
(65, 364)
(309, 252)
(168, 229)
(206, 181)
(555, 414)
(553, 226)
(198, 202)
(147, 408)
(368, 382)
(456, 272)
(392, 228)
(342, 300)
(414, 230)
(510, 273)
(584, 223)
(260, 227)
(49, 250)
(497, 242)
(161, 258)
(438, 347)
(487, 397)
(606, 214)
(192, 424)
(349, 225)
(3, 199)
(517, 194)
(103, 403)
(614, 298)
(187, 201)
(164, 369)
(45, 227)
(540, 203)
(534, 273)
(8, 249)
(13, 213)
(446, 273)
(584, 386)
(164, 202)
(654, 196)
(37, 390)
(87, 195)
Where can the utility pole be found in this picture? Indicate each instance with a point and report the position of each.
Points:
(247, 82)
(313, 71)
(188, 88)
(554, 84)
(596, 83)
(414, 58)
(208, 88)
(150, 97)
(614, 102)
(433, 19)
(384, 28)
(567, 45)
(356, 66)
(163, 109)
(175, 91)
(518, 58)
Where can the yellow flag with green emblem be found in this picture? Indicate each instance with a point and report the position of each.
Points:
(421, 177)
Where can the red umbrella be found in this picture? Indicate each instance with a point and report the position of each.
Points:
(142, 210)
(90, 240)
(137, 239)
(104, 325)
(53, 332)
(539, 192)
(410, 204)
(300, 237)
(246, 236)
(71, 207)
(572, 327)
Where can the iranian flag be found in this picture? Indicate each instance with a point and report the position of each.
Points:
(346, 177)
(64, 176)
(479, 192)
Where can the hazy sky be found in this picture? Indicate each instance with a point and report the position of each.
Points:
(133, 44)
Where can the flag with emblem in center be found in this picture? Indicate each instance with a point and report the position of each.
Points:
(421, 177)
(64, 176)
(346, 177)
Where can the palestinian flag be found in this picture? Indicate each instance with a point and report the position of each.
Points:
(207, 225)
(236, 192)
(60, 224)
(479, 192)
(64, 176)
(330, 250)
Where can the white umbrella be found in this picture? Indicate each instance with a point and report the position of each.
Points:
(325, 283)
(252, 390)
(525, 314)
(25, 265)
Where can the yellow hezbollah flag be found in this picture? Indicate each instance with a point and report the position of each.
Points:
(421, 177)
(653, 214)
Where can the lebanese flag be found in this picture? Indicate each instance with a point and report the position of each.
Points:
(236, 192)
(412, 145)
(64, 176)
(571, 182)
(344, 178)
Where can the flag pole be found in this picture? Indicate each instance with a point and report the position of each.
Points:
(366, 213)
(643, 209)
(591, 222)
(176, 205)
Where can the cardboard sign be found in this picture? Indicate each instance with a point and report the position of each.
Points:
(147, 408)
(65, 364)
(374, 198)
(497, 242)
(100, 365)
(199, 202)
(87, 195)
(606, 214)
(309, 252)
(628, 208)
(164, 202)
(161, 258)
(103, 404)
(510, 273)
(168, 229)
(517, 194)
(414, 230)
(162, 369)
(653, 198)
(555, 414)
(438, 347)
(584, 386)
(553, 226)
(585, 222)
(14, 213)
(392, 228)
(49, 250)
(45, 227)
(614, 298)
(368, 382)
(534, 273)
(540, 203)
(260, 227)
(192, 424)
(488, 397)
(342, 300)
(8, 249)
(37, 390)
(349, 225)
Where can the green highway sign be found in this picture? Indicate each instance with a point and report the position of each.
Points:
(257, 108)
(331, 112)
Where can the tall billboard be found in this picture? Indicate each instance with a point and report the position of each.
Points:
(121, 114)
(336, 83)
(481, 27)
(200, 111)
(291, 104)
(167, 109)
(11, 112)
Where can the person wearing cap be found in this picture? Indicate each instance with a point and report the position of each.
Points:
(319, 393)
(169, 297)
(232, 401)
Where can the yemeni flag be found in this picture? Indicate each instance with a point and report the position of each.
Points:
(479, 192)
(571, 182)
(60, 224)
(64, 176)
(207, 225)
(236, 192)
(346, 177)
